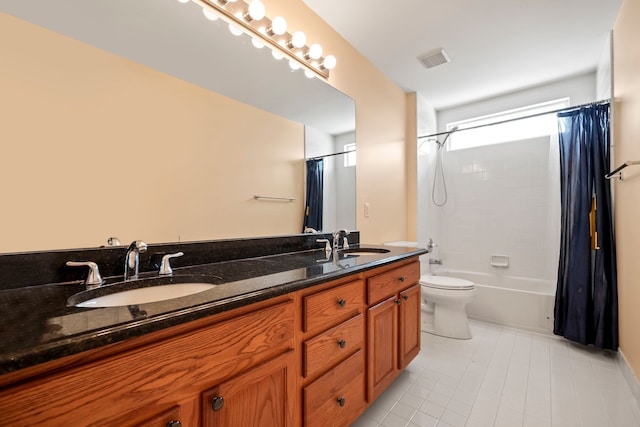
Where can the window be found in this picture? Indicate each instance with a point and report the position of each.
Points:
(350, 157)
(515, 130)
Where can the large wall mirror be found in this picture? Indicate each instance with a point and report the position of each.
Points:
(144, 120)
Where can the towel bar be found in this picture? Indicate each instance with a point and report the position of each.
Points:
(617, 171)
(284, 199)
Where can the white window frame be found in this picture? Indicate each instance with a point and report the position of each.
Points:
(350, 155)
(512, 130)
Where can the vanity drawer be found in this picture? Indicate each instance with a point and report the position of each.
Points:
(391, 282)
(337, 397)
(333, 345)
(329, 308)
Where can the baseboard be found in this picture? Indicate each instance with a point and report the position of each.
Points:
(628, 374)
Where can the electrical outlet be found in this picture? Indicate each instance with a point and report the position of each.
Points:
(366, 210)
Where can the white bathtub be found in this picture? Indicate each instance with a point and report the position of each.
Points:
(519, 302)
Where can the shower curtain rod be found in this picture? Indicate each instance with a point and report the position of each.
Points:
(330, 155)
(588, 104)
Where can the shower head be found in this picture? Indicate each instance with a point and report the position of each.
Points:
(453, 129)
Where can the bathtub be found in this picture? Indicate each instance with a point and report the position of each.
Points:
(518, 302)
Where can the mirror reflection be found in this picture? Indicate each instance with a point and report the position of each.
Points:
(145, 120)
(331, 181)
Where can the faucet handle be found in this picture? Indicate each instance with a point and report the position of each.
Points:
(327, 244)
(165, 265)
(94, 279)
(345, 243)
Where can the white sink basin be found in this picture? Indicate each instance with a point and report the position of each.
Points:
(146, 295)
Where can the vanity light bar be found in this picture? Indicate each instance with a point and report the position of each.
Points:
(241, 15)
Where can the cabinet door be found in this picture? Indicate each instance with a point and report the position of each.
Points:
(262, 397)
(409, 326)
(337, 398)
(382, 346)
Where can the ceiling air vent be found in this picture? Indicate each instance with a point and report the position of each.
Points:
(434, 58)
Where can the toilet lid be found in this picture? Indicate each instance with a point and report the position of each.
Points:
(445, 282)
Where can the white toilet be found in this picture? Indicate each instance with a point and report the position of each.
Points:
(443, 305)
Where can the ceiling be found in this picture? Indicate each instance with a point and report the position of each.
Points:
(495, 46)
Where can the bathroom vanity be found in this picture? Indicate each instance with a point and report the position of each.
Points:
(290, 335)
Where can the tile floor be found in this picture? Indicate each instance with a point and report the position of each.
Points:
(506, 378)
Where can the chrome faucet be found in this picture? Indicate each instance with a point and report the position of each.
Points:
(336, 239)
(132, 259)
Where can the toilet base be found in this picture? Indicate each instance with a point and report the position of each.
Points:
(445, 321)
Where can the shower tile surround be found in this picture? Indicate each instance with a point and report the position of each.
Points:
(498, 204)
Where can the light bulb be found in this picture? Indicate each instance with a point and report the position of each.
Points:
(235, 30)
(298, 39)
(315, 51)
(209, 15)
(257, 43)
(294, 64)
(278, 26)
(277, 55)
(309, 74)
(256, 10)
(329, 62)
(184, 1)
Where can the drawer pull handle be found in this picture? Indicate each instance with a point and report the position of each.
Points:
(405, 297)
(401, 279)
(398, 301)
(342, 343)
(217, 403)
(174, 423)
(342, 302)
(341, 401)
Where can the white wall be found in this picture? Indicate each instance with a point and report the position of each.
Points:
(604, 74)
(345, 215)
(580, 89)
(427, 221)
(502, 199)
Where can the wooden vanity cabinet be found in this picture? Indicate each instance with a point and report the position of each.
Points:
(333, 355)
(258, 397)
(248, 355)
(314, 357)
(393, 320)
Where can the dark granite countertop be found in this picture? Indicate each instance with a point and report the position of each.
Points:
(37, 325)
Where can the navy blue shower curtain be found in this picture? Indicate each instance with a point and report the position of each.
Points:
(313, 205)
(586, 305)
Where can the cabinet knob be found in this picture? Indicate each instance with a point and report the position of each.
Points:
(217, 403)
(342, 302)
(341, 401)
(174, 423)
(398, 301)
(401, 279)
(342, 343)
(405, 297)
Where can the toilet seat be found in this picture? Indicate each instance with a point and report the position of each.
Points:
(446, 283)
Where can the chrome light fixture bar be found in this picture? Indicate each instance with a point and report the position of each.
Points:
(249, 18)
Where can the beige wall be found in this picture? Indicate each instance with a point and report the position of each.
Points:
(94, 145)
(381, 177)
(626, 85)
